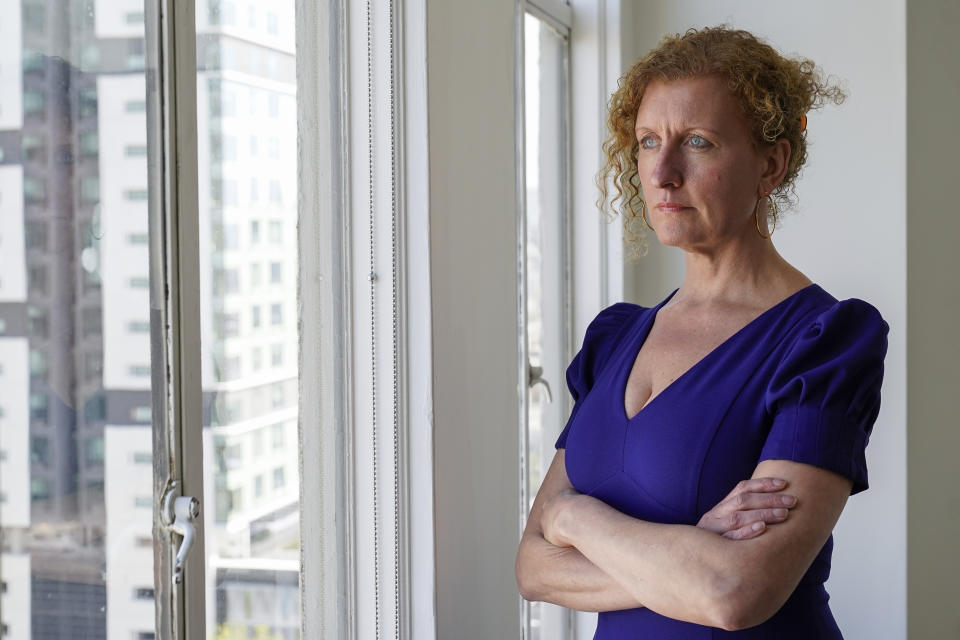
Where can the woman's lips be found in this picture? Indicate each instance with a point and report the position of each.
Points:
(671, 206)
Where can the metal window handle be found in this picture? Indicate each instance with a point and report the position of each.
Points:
(535, 377)
(180, 512)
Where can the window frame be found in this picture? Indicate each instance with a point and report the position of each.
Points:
(177, 426)
(558, 16)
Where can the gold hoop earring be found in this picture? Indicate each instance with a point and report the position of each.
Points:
(643, 214)
(756, 215)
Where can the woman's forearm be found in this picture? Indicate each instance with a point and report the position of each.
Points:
(563, 576)
(671, 568)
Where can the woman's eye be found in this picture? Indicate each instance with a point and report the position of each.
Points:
(648, 143)
(698, 142)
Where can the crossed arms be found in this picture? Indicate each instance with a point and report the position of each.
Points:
(580, 553)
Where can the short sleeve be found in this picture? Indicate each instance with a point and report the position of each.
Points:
(598, 342)
(824, 395)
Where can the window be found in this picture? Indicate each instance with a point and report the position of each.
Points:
(93, 450)
(35, 193)
(135, 150)
(92, 322)
(276, 273)
(143, 593)
(230, 325)
(276, 232)
(139, 283)
(278, 478)
(545, 290)
(39, 489)
(40, 450)
(276, 314)
(92, 366)
(38, 322)
(37, 278)
(231, 237)
(90, 189)
(36, 232)
(277, 436)
(138, 238)
(231, 281)
(34, 103)
(39, 364)
(255, 317)
(89, 144)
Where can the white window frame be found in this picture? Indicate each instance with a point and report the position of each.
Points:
(365, 46)
(175, 306)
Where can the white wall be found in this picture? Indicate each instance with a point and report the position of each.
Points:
(470, 79)
(846, 234)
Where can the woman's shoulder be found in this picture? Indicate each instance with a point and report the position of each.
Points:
(826, 312)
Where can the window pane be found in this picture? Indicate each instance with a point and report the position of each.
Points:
(545, 271)
(248, 207)
(76, 496)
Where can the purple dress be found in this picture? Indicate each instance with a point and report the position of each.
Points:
(800, 382)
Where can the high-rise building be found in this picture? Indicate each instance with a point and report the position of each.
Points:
(76, 472)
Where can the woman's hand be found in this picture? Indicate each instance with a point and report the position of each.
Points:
(748, 508)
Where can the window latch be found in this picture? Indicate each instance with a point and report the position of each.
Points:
(179, 512)
(535, 377)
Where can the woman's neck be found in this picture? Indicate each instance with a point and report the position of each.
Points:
(748, 273)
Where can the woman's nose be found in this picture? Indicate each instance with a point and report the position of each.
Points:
(667, 171)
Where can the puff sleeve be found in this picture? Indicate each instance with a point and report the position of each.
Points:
(824, 395)
(598, 343)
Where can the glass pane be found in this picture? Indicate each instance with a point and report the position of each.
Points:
(75, 367)
(246, 122)
(546, 281)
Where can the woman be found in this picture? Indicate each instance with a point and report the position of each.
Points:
(746, 374)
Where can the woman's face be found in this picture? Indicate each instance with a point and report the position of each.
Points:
(699, 169)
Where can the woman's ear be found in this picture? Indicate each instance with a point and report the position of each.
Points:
(777, 161)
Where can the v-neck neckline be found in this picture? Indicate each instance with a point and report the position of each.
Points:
(636, 348)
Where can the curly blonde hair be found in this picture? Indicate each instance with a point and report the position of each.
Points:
(775, 92)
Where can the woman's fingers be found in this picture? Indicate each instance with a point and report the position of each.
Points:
(744, 501)
(759, 484)
(746, 532)
(750, 524)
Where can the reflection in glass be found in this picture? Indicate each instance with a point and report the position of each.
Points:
(246, 129)
(75, 432)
